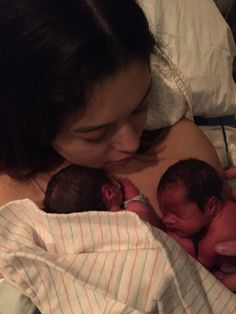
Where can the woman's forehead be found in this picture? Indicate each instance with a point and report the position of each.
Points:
(116, 97)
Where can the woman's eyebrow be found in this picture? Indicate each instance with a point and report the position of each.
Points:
(98, 127)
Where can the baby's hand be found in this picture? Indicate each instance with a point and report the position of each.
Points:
(130, 190)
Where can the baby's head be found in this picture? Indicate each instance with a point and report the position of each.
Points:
(189, 195)
(77, 189)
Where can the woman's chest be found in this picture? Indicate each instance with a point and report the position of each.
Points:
(146, 176)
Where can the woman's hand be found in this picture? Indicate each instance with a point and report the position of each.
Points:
(227, 249)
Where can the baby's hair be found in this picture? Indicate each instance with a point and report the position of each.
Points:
(76, 189)
(200, 179)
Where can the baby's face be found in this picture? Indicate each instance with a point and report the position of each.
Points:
(178, 213)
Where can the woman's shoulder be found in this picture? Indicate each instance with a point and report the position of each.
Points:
(186, 140)
(11, 190)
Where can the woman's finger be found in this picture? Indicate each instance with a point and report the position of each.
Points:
(226, 248)
(230, 173)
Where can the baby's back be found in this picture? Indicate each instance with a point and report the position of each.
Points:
(223, 228)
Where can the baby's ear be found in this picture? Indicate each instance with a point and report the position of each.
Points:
(213, 206)
(107, 194)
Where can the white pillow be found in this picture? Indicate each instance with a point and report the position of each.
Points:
(200, 43)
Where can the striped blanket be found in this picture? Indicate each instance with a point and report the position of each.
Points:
(102, 262)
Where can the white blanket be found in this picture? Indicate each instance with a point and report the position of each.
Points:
(102, 262)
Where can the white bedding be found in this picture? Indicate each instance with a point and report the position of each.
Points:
(215, 135)
(103, 262)
(196, 38)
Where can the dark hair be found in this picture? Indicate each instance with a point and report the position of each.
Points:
(52, 54)
(76, 189)
(200, 179)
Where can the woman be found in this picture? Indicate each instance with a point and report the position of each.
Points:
(74, 86)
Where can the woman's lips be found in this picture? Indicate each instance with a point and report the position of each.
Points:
(120, 162)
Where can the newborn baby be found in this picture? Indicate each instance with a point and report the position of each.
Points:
(77, 189)
(194, 212)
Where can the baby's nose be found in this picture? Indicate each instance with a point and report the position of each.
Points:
(169, 220)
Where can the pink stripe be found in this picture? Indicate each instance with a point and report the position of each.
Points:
(17, 234)
(90, 305)
(131, 275)
(118, 231)
(31, 221)
(111, 273)
(100, 227)
(5, 248)
(35, 220)
(62, 235)
(15, 215)
(45, 288)
(137, 237)
(74, 259)
(24, 281)
(42, 232)
(81, 232)
(177, 257)
(134, 262)
(151, 278)
(218, 296)
(234, 310)
(91, 269)
(195, 299)
(67, 294)
(206, 277)
(114, 303)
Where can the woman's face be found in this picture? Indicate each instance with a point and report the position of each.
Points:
(107, 134)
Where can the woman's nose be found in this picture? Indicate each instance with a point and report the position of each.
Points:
(126, 139)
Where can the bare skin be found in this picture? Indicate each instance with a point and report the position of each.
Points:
(184, 220)
(221, 228)
(143, 170)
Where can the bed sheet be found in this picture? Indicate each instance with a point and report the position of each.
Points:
(216, 136)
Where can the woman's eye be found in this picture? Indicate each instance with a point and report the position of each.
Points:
(95, 141)
(95, 138)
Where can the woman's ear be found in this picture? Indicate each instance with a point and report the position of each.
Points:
(213, 206)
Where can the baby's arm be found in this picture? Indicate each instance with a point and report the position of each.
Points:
(129, 189)
(138, 204)
(206, 252)
(186, 243)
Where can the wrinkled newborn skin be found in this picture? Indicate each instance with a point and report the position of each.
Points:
(184, 220)
(129, 192)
